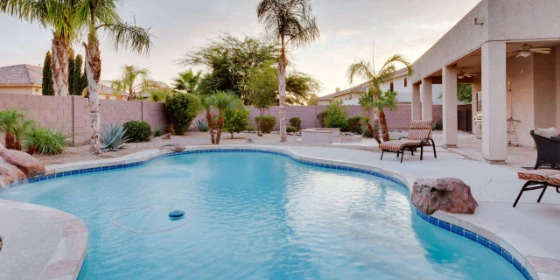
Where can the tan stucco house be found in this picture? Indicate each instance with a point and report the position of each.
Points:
(28, 79)
(499, 41)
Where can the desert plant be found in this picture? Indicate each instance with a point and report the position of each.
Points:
(291, 129)
(295, 122)
(236, 120)
(222, 102)
(137, 131)
(11, 124)
(335, 116)
(45, 141)
(181, 109)
(439, 125)
(355, 124)
(202, 125)
(206, 103)
(267, 123)
(113, 138)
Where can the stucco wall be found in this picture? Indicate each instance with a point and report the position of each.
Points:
(20, 90)
(520, 86)
(545, 90)
(72, 113)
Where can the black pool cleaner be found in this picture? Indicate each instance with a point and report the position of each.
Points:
(176, 215)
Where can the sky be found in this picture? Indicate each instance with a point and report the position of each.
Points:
(348, 29)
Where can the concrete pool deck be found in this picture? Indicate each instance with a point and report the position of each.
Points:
(528, 231)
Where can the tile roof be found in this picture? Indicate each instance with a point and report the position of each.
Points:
(22, 74)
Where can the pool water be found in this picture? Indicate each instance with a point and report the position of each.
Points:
(256, 216)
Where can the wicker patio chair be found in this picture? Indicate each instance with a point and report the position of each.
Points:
(419, 135)
(548, 151)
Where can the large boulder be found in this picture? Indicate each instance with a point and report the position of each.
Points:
(28, 164)
(447, 194)
(9, 173)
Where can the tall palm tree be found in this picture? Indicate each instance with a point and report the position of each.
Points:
(102, 14)
(291, 22)
(366, 71)
(187, 81)
(133, 80)
(62, 16)
(207, 102)
(222, 101)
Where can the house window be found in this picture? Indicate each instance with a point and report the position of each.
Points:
(405, 82)
(391, 87)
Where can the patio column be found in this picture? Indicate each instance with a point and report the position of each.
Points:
(416, 105)
(427, 99)
(450, 126)
(494, 102)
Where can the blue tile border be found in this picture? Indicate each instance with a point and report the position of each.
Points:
(432, 220)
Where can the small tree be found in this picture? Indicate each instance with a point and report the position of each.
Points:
(48, 88)
(222, 102)
(336, 115)
(236, 118)
(79, 81)
(181, 109)
(206, 103)
(261, 87)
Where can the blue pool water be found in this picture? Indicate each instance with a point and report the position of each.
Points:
(256, 216)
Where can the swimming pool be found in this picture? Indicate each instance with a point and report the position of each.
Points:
(256, 216)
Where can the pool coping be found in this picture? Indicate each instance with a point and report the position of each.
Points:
(531, 261)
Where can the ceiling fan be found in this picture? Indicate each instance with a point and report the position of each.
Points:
(462, 75)
(527, 50)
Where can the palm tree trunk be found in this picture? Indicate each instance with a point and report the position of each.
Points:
(220, 125)
(261, 113)
(10, 141)
(210, 126)
(94, 116)
(93, 48)
(60, 49)
(383, 126)
(282, 64)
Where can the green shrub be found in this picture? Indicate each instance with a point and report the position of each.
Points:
(355, 124)
(439, 125)
(335, 116)
(181, 109)
(291, 129)
(296, 122)
(236, 120)
(365, 131)
(267, 124)
(321, 117)
(137, 131)
(45, 141)
(250, 128)
(202, 125)
(158, 132)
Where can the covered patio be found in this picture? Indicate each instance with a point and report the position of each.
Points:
(508, 51)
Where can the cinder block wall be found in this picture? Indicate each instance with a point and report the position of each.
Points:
(72, 113)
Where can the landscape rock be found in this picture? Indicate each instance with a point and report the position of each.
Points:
(166, 136)
(173, 147)
(447, 194)
(9, 174)
(29, 165)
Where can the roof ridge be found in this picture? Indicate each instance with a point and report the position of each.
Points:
(27, 73)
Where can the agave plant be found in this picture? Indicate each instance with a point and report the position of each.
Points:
(113, 138)
(202, 125)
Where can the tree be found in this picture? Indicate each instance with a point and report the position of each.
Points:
(135, 81)
(187, 81)
(222, 102)
(299, 87)
(181, 109)
(312, 100)
(236, 118)
(229, 59)
(206, 102)
(366, 71)
(62, 16)
(71, 68)
(464, 93)
(47, 76)
(291, 23)
(261, 87)
(384, 100)
(79, 81)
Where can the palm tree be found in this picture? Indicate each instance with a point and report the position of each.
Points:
(222, 101)
(133, 80)
(207, 102)
(187, 81)
(62, 16)
(366, 71)
(290, 21)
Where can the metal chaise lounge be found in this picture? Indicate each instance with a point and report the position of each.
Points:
(538, 179)
(419, 135)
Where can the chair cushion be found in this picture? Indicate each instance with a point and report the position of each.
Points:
(397, 145)
(554, 180)
(546, 132)
(420, 130)
(537, 175)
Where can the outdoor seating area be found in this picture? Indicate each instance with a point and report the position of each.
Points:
(419, 136)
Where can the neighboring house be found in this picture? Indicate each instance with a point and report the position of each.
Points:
(28, 79)
(400, 84)
(21, 79)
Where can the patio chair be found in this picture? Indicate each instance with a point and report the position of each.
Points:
(538, 179)
(419, 135)
(548, 151)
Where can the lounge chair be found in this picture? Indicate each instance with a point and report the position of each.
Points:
(419, 135)
(548, 151)
(539, 179)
